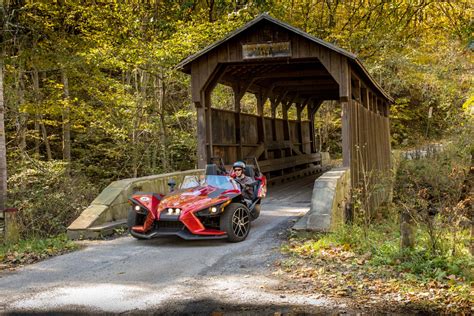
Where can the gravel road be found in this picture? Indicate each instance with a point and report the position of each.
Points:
(169, 276)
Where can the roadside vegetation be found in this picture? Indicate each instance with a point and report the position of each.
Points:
(417, 252)
(34, 249)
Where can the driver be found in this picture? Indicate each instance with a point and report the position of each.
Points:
(245, 182)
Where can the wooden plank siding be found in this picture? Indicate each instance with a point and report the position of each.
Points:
(370, 148)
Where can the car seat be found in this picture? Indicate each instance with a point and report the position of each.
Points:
(214, 170)
(250, 172)
(211, 169)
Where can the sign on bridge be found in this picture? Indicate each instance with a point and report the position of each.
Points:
(266, 50)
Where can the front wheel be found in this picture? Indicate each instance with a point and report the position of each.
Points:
(235, 222)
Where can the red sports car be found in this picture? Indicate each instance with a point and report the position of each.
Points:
(206, 207)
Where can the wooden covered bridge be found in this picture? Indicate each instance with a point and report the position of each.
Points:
(290, 73)
(289, 68)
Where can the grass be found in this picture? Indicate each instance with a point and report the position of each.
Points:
(374, 265)
(34, 249)
(382, 245)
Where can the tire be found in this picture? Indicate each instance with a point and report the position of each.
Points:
(235, 221)
(131, 220)
(256, 211)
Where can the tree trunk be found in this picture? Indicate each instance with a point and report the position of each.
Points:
(407, 230)
(38, 135)
(3, 147)
(140, 84)
(66, 118)
(44, 134)
(163, 131)
(22, 117)
(210, 8)
(39, 118)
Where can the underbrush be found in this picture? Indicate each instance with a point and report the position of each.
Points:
(48, 197)
(381, 248)
(428, 264)
(376, 273)
(34, 249)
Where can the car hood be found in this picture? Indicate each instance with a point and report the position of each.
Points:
(196, 198)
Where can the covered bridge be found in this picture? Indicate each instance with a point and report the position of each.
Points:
(290, 68)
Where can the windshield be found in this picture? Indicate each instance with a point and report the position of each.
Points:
(221, 182)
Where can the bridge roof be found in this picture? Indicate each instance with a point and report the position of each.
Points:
(185, 65)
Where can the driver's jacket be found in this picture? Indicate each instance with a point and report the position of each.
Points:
(246, 184)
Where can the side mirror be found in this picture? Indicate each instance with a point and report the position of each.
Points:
(171, 184)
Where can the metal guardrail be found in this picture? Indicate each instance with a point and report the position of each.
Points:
(427, 151)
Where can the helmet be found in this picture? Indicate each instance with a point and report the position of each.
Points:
(239, 164)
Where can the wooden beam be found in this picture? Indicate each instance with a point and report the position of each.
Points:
(288, 162)
(312, 108)
(239, 92)
(201, 137)
(208, 108)
(295, 73)
(257, 151)
(286, 126)
(312, 88)
(365, 97)
(356, 88)
(345, 82)
(299, 110)
(316, 106)
(276, 101)
(262, 134)
(214, 78)
(310, 82)
(346, 134)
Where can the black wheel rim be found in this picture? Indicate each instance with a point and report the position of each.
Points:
(240, 222)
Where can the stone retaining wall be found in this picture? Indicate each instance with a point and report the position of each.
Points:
(112, 203)
(330, 195)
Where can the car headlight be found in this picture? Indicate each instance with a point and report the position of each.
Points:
(174, 211)
(211, 211)
(139, 209)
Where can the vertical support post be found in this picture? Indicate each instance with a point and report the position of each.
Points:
(208, 107)
(286, 127)
(311, 116)
(299, 109)
(262, 136)
(312, 138)
(346, 134)
(356, 88)
(345, 97)
(201, 135)
(238, 94)
(274, 105)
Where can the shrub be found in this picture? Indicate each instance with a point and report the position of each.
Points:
(48, 198)
(431, 192)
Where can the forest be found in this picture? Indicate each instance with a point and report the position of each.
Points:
(89, 92)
